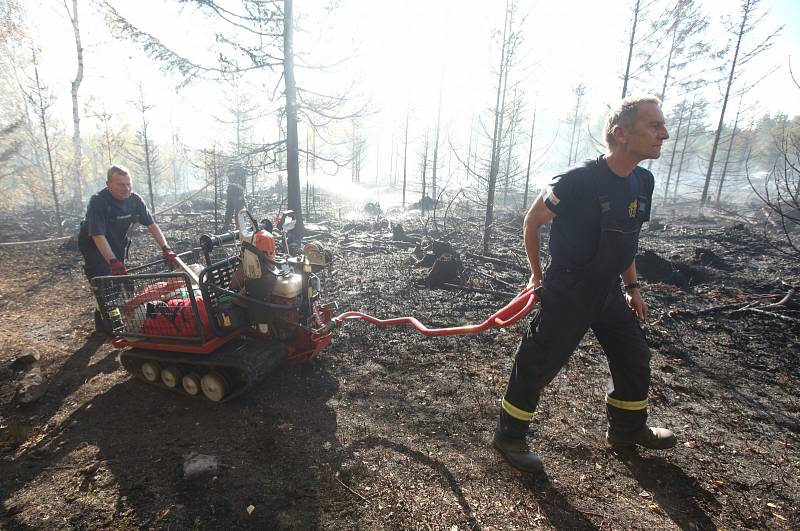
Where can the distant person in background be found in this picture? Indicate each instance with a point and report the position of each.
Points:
(103, 236)
(597, 210)
(234, 202)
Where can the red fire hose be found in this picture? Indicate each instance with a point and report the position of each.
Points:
(506, 316)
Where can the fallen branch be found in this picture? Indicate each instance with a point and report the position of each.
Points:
(31, 242)
(496, 261)
(493, 278)
(182, 201)
(402, 243)
(677, 313)
(479, 290)
(742, 308)
(351, 490)
(773, 314)
(691, 313)
(783, 302)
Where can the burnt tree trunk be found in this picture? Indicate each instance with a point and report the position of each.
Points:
(530, 156)
(686, 136)
(42, 108)
(746, 11)
(498, 127)
(436, 145)
(292, 161)
(674, 150)
(405, 161)
(728, 154)
(507, 176)
(630, 50)
(76, 119)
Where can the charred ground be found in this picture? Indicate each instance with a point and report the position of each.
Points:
(388, 429)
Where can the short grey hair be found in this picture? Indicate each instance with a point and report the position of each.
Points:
(624, 115)
(117, 168)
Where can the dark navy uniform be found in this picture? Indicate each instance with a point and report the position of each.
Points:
(111, 218)
(235, 200)
(593, 239)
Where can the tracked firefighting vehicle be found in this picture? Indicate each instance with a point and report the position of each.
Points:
(216, 325)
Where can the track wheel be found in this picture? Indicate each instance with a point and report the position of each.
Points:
(215, 386)
(151, 370)
(191, 384)
(171, 376)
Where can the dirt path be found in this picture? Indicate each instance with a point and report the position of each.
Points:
(389, 430)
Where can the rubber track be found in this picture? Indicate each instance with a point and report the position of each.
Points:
(250, 359)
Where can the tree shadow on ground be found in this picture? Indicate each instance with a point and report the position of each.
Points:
(678, 495)
(72, 374)
(560, 513)
(130, 444)
(442, 472)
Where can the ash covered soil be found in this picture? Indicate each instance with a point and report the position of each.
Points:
(388, 429)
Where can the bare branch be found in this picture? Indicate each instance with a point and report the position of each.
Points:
(791, 73)
(229, 16)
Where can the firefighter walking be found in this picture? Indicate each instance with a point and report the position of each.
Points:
(597, 211)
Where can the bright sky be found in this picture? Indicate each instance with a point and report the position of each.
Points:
(398, 53)
(571, 40)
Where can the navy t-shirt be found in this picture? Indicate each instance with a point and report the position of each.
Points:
(574, 198)
(112, 218)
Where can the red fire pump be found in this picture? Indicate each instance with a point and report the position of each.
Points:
(215, 330)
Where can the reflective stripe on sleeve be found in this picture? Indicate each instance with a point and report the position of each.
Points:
(516, 412)
(628, 406)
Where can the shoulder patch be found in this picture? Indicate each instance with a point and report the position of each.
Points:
(552, 197)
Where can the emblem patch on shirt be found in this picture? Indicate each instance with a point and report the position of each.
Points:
(632, 208)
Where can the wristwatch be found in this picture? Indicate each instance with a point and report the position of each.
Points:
(632, 285)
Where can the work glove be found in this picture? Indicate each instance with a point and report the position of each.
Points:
(170, 257)
(117, 267)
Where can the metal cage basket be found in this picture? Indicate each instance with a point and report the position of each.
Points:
(225, 314)
(159, 306)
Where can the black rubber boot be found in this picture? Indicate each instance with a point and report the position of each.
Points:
(101, 326)
(652, 438)
(517, 453)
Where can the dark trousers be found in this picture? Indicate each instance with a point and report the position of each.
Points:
(233, 204)
(555, 331)
(94, 265)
